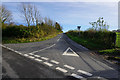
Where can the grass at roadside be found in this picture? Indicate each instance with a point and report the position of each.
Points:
(6, 40)
(110, 54)
(87, 42)
(113, 52)
(118, 39)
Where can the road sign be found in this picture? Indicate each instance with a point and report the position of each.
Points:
(78, 27)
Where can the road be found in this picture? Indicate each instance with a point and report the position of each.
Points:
(58, 57)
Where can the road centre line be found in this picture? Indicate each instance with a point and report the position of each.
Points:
(84, 72)
(76, 76)
(43, 49)
(70, 67)
(61, 69)
(53, 61)
(44, 58)
(49, 64)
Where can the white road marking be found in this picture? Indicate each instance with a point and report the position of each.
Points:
(26, 55)
(43, 49)
(61, 69)
(102, 63)
(44, 58)
(11, 49)
(36, 55)
(53, 61)
(49, 64)
(31, 54)
(31, 57)
(70, 54)
(76, 76)
(38, 59)
(58, 39)
(84, 72)
(70, 67)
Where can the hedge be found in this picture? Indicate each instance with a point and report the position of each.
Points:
(107, 38)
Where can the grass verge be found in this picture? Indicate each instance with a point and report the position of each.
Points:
(110, 54)
(87, 43)
(7, 40)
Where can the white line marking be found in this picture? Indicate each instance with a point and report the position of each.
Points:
(26, 55)
(49, 64)
(43, 49)
(31, 54)
(58, 39)
(70, 67)
(53, 61)
(31, 57)
(61, 69)
(38, 60)
(84, 72)
(36, 55)
(44, 58)
(11, 49)
(76, 76)
(70, 54)
(102, 63)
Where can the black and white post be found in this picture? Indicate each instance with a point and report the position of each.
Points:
(79, 29)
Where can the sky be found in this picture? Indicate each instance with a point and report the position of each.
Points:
(71, 14)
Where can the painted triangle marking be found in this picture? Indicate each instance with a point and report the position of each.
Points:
(70, 52)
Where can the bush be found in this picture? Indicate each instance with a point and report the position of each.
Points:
(27, 32)
(105, 38)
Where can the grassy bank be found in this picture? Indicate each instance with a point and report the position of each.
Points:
(97, 45)
(7, 40)
(118, 39)
(24, 34)
(88, 43)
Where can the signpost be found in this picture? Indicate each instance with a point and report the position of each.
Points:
(79, 29)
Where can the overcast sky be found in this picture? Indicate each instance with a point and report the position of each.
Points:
(72, 14)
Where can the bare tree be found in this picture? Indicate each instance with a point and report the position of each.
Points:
(26, 11)
(37, 16)
(5, 14)
(48, 21)
(31, 14)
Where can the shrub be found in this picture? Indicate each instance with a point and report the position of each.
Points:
(105, 38)
(25, 32)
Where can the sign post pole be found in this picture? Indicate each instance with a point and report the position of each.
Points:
(79, 29)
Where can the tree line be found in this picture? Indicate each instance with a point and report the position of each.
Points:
(31, 16)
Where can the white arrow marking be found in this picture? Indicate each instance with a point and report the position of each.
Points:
(70, 54)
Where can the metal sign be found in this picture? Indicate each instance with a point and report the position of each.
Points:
(78, 27)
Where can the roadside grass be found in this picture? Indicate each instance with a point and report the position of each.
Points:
(118, 39)
(113, 52)
(110, 54)
(90, 44)
(6, 40)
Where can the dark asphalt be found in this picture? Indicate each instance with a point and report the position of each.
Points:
(52, 49)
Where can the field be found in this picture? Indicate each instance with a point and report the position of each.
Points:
(118, 39)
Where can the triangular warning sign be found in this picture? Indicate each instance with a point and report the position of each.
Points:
(70, 52)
